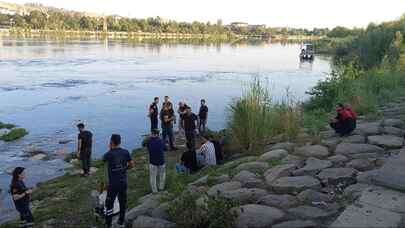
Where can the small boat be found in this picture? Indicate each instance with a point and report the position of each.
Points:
(307, 52)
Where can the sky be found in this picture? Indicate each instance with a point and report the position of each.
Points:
(274, 13)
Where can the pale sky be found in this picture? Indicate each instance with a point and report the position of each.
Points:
(291, 13)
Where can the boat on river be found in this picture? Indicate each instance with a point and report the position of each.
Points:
(307, 52)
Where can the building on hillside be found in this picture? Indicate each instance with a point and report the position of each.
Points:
(6, 11)
(239, 25)
(255, 27)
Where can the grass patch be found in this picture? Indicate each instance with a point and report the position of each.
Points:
(14, 134)
(67, 201)
(196, 211)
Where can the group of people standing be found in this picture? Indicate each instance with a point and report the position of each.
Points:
(189, 123)
(119, 160)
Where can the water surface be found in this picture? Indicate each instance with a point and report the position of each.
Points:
(48, 86)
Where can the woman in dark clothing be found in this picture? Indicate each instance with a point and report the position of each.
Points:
(343, 122)
(21, 197)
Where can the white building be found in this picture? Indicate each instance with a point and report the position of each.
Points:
(6, 11)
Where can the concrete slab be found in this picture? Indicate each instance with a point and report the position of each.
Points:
(367, 216)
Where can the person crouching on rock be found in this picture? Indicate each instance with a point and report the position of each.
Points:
(156, 161)
(119, 161)
(21, 197)
(349, 108)
(84, 144)
(343, 122)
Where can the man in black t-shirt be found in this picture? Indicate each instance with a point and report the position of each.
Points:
(190, 123)
(119, 161)
(153, 114)
(84, 144)
(181, 110)
(167, 102)
(167, 119)
(203, 115)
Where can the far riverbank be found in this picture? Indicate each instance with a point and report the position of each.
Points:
(33, 33)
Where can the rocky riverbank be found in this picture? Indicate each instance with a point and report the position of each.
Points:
(355, 181)
(326, 181)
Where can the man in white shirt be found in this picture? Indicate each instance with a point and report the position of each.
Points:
(206, 154)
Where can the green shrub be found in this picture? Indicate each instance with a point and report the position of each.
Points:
(254, 119)
(6, 126)
(210, 212)
(14, 134)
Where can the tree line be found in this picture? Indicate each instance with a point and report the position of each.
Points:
(56, 20)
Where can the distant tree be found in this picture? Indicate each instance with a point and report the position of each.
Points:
(339, 32)
(36, 19)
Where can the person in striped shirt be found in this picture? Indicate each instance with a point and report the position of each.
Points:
(206, 154)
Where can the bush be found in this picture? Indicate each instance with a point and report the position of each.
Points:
(254, 119)
(209, 212)
(14, 134)
(6, 126)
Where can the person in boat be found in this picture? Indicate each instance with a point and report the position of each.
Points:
(343, 122)
(21, 197)
(206, 154)
(203, 115)
(119, 161)
(153, 114)
(167, 118)
(84, 145)
(156, 161)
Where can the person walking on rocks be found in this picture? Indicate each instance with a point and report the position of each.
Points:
(153, 114)
(156, 161)
(21, 197)
(203, 115)
(84, 145)
(190, 123)
(119, 161)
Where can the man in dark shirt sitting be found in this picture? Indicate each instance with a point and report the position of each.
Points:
(84, 144)
(203, 115)
(190, 123)
(118, 160)
(188, 162)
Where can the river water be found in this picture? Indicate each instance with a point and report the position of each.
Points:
(48, 86)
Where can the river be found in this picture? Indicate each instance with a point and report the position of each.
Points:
(48, 85)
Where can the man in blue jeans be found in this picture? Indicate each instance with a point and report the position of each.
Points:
(118, 160)
(167, 118)
(156, 161)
